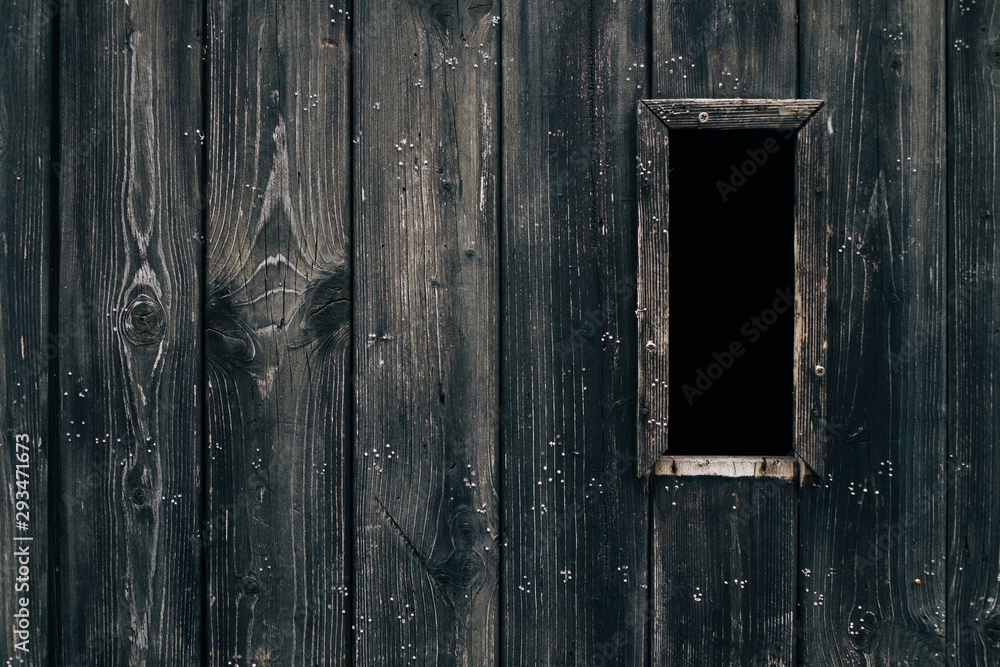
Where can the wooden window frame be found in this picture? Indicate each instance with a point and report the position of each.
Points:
(811, 230)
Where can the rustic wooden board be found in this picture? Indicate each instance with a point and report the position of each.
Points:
(973, 303)
(130, 286)
(574, 512)
(812, 238)
(721, 48)
(724, 573)
(873, 526)
(26, 208)
(732, 114)
(653, 288)
(765, 467)
(426, 488)
(278, 338)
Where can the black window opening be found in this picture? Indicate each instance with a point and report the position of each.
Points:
(732, 281)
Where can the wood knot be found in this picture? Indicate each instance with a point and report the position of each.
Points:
(328, 302)
(443, 13)
(250, 585)
(143, 321)
(993, 55)
(465, 529)
(227, 337)
(139, 496)
(864, 628)
(473, 569)
(991, 630)
(479, 9)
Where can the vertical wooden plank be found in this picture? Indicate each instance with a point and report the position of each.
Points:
(426, 489)
(724, 570)
(725, 48)
(973, 303)
(278, 332)
(130, 441)
(873, 527)
(812, 240)
(26, 97)
(737, 50)
(653, 288)
(574, 512)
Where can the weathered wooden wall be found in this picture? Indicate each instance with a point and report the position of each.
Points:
(277, 333)
(872, 530)
(574, 572)
(426, 485)
(973, 302)
(320, 323)
(128, 438)
(27, 344)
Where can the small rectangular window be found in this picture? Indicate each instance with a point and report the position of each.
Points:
(732, 251)
(732, 278)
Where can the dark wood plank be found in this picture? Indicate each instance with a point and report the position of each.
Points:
(812, 239)
(973, 304)
(724, 573)
(754, 43)
(130, 441)
(26, 207)
(653, 288)
(742, 114)
(426, 487)
(873, 527)
(574, 512)
(278, 333)
(709, 48)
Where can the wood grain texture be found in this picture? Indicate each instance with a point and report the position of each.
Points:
(812, 237)
(426, 487)
(873, 527)
(734, 114)
(765, 467)
(130, 284)
(278, 338)
(973, 55)
(724, 48)
(653, 309)
(724, 574)
(574, 512)
(26, 346)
